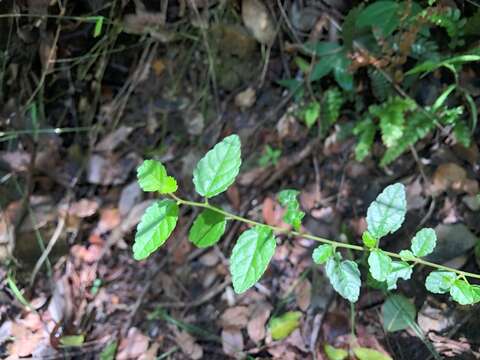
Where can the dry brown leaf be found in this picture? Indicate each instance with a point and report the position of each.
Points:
(134, 345)
(303, 294)
(110, 170)
(129, 197)
(235, 317)
(109, 220)
(451, 176)
(256, 18)
(24, 340)
(232, 342)
(114, 139)
(246, 98)
(189, 346)
(256, 326)
(83, 208)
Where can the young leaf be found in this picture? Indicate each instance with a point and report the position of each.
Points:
(282, 326)
(363, 353)
(462, 292)
(217, 170)
(440, 281)
(368, 240)
(155, 227)
(335, 353)
(152, 176)
(293, 216)
(407, 255)
(398, 313)
(207, 228)
(344, 277)
(380, 264)
(399, 270)
(386, 214)
(250, 257)
(424, 242)
(322, 253)
(311, 113)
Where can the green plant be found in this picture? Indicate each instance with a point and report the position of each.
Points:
(255, 247)
(270, 156)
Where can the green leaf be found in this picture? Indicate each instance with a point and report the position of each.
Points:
(207, 228)
(398, 313)
(380, 264)
(72, 340)
(369, 354)
(386, 214)
(282, 326)
(311, 114)
(323, 48)
(382, 15)
(365, 130)
(152, 176)
(109, 351)
(462, 292)
(399, 270)
(343, 76)
(424, 242)
(217, 170)
(321, 68)
(369, 240)
(440, 281)
(335, 353)
(322, 253)
(155, 227)
(344, 277)
(407, 255)
(293, 216)
(250, 257)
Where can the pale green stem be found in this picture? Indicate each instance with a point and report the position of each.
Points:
(460, 273)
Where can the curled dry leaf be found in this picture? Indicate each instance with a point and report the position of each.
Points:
(256, 328)
(189, 346)
(451, 176)
(303, 294)
(232, 342)
(235, 317)
(133, 345)
(257, 19)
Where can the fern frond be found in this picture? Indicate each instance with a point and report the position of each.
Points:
(381, 88)
(365, 130)
(332, 102)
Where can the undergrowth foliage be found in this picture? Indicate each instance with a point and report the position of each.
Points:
(255, 247)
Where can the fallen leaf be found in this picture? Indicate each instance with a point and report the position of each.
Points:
(133, 345)
(7, 237)
(246, 98)
(24, 340)
(256, 328)
(256, 18)
(235, 317)
(232, 342)
(83, 208)
(451, 176)
(303, 294)
(114, 139)
(110, 170)
(189, 346)
(282, 326)
(109, 220)
(129, 197)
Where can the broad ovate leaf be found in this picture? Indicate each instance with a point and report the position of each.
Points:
(156, 225)
(380, 264)
(386, 214)
(152, 176)
(282, 326)
(462, 292)
(207, 228)
(250, 257)
(217, 170)
(407, 255)
(322, 253)
(344, 277)
(424, 242)
(399, 270)
(363, 353)
(440, 281)
(398, 313)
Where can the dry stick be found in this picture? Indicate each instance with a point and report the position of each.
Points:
(335, 244)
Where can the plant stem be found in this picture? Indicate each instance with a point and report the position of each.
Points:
(293, 233)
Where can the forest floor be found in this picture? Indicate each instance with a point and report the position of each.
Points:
(88, 89)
